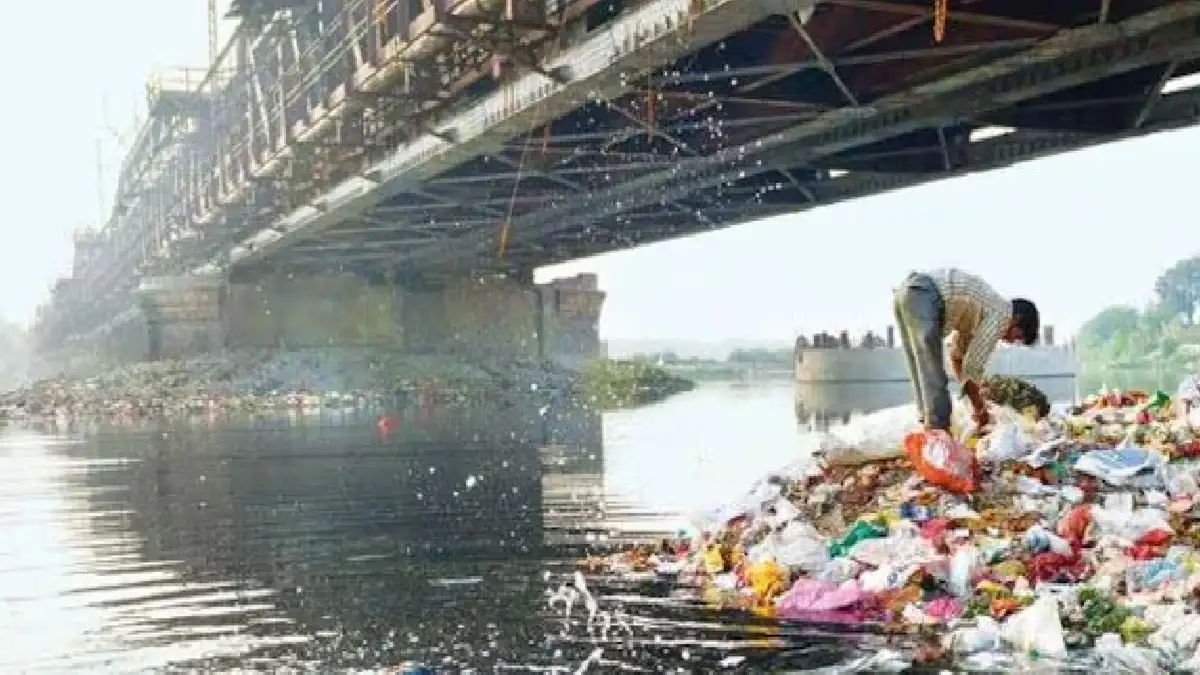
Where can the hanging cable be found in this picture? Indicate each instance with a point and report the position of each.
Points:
(512, 200)
(941, 12)
(651, 117)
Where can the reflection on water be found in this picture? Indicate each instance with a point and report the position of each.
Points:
(292, 543)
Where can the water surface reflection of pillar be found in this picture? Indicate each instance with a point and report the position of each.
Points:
(433, 537)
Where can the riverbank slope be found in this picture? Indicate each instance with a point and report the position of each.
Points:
(247, 381)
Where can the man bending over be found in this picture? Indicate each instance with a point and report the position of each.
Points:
(931, 306)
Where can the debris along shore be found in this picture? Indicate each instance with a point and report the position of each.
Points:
(263, 381)
(1066, 538)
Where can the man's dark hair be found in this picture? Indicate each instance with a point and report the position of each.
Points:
(1025, 316)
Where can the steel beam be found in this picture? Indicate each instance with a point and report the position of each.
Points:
(1175, 111)
(601, 67)
(1068, 59)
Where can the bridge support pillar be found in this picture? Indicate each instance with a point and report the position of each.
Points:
(504, 318)
(570, 312)
(183, 315)
(480, 319)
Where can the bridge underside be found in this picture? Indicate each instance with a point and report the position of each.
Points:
(781, 117)
(608, 125)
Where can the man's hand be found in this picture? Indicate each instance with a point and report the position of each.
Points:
(978, 404)
(981, 417)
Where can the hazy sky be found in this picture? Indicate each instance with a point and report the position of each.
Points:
(1074, 233)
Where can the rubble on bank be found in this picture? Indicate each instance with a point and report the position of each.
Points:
(263, 381)
(1070, 537)
(621, 384)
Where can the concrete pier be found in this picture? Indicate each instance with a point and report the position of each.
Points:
(824, 358)
(482, 319)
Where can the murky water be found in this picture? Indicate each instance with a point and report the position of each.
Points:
(298, 544)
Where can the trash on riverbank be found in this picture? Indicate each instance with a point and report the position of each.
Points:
(262, 381)
(1071, 536)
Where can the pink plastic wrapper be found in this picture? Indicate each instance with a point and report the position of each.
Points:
(807, 596)
(944, 609)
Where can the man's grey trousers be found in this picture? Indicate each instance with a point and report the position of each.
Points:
(920, 314)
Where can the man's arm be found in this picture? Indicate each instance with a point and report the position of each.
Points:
(970, 386)
(982, 343)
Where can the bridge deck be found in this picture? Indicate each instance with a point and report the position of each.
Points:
(419, 136)
(776, 117)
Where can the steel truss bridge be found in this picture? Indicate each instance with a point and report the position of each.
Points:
(417, 137)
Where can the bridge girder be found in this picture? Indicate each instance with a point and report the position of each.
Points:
(762, 114)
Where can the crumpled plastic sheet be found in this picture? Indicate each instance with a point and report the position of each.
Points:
(806, 596)
(797, 545)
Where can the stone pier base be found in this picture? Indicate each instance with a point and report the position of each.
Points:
(484, 319)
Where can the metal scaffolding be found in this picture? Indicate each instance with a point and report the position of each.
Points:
(304, 94)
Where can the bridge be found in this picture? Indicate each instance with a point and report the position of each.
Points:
(354, 153)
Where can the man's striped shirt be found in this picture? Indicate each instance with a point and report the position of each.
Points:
(976, 315)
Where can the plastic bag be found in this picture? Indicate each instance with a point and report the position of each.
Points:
(807, 596)
(1006, 443)
(1116, 656)
(798, 546)
(1178, 480)
(1120, 464)
(964, 566)
(860, 531)
(984, 636)
(1037, 628)
(943, 461)
(874, 437)
(899, 550)
(880, 435)
(1128, 525)
(1187, 397)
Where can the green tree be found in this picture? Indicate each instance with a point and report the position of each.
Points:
(1178, 290)
(1110, 324)
(760, 356)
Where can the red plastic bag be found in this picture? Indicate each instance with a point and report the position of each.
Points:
(1151, 545)
(1076, 525)
(943, 461)
(1054, 567)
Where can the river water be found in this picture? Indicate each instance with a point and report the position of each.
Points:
(325, 544)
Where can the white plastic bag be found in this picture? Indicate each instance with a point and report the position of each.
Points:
(898, 549)
(964, 565)
(1037, 628)
(874, 437)
(984, 636)
(1128, 525)
(1006, 443)
(798, 545)
(1179, 480)
(1187, 398)
(1115, 656)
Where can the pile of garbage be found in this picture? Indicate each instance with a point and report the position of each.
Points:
(252, 381)
(1060, 537)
